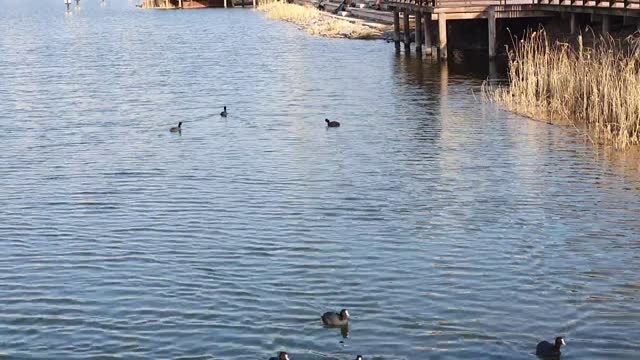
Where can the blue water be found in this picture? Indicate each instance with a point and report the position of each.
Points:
(449, 228)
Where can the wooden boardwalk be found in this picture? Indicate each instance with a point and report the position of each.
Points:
(426, 12)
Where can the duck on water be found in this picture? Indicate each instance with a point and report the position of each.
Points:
(177, 128)
(332, 123)
(336, 319)
(224, 112)
(548, 350)
(281, 356)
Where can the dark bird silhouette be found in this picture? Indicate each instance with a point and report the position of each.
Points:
(332, 123)
(281, 356)
(548, 350)
(177, 128)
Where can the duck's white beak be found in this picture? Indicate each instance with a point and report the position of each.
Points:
(563, 343)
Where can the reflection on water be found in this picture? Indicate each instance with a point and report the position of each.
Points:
(449, 228)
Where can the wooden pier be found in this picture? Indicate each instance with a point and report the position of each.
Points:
(432, 17)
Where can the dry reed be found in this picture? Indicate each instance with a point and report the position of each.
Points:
(596, 87)
(316, 22)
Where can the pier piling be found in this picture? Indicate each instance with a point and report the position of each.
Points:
(442, 34)
(396, 28)
(407, 31)
(491, 19)
(428, 36)
(606, 22)
(419, 33)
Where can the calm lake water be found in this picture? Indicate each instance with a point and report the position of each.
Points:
(449, 228)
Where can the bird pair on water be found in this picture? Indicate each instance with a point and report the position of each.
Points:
(284, 356)
(224, 114)
(544, 349)
(179, 127)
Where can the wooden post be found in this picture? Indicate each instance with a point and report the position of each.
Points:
(605, 24)
(396, 28)
(493, 72)
(166, 4)
(428, 36)
(419, 33)
(254, 4)
(180, 4)
(225, 3)
(407, 30)
(573, 23)
(491, 19)
(442, 33)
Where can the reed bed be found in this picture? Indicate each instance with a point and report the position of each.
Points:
(316, 22)
(595, 87)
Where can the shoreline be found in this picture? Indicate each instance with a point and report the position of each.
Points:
(324, 24)
(591, 88)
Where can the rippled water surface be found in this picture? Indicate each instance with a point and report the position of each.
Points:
(450, 229)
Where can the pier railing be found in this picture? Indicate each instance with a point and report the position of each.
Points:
(616, 4)
(464, 3)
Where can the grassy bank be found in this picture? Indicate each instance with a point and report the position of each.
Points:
(316, 22)
(597, 88)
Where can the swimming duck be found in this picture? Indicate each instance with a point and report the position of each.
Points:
(545, 349)
(224, 113)
(334, 319)
(177, 128)
(359, 357)
(281, 356)
(332, 123)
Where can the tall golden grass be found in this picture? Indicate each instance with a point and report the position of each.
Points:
(316, 22)
(596, 87)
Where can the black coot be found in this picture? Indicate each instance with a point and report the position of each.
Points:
(546, 349)
(281, 356)
(332, 123)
